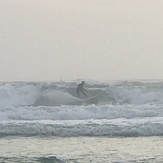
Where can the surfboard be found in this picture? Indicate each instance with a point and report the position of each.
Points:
(87, 101)
(91, 100)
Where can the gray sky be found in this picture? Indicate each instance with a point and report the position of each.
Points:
(71, 39)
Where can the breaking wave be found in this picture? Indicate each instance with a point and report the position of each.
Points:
(53, 94)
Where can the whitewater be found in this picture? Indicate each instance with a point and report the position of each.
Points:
(35, 111)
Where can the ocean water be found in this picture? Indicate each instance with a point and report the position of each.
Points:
(45, 122)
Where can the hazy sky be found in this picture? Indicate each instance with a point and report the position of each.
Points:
(71, 39)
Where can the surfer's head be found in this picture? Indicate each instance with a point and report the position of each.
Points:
(83, 82)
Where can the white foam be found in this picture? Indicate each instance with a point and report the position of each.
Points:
(137, 95)
(80, 112)
(127, 109)
(118, 127)
(18, 94)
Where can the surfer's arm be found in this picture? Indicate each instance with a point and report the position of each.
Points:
(84, 90)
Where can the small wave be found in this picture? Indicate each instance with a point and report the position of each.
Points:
(42, 159)
(49, 159)
(80, 112)
(112, 128)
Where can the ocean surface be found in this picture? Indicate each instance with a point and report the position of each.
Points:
(45, 122)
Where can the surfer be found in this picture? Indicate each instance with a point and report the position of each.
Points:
(81, 89)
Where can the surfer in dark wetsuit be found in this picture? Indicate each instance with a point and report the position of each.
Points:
(81, 89)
